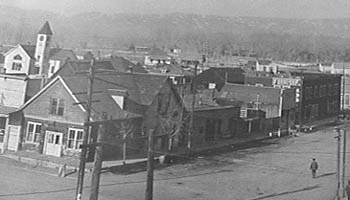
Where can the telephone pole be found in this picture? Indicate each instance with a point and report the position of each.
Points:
(95, 180)
(301, 96)
(190, 133)
(338, 162)
(149, 186)
(344, 154)
(81, 172)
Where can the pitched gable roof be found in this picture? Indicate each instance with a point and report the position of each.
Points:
(220, 75)
(121, 64)
(116, 64)
(29, 49)
(46, 29)
(249, 93)
(105, 105)
(169, 69)
(61, 54)
(54, 54)
(141, 88)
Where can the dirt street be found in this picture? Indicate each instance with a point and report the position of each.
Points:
(277, 170)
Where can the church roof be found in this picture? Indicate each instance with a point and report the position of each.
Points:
(29, 49)
(54, 53)
(46, 29)
(61, 54)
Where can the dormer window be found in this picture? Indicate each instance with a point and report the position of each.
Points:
(17, 57)
(119, 97)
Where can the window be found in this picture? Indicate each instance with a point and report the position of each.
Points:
(52, 69)
(323, 90)
(17, 57)
(316, 91)
(33, 132)
(16, 66)
(163, 103)
(347, 100)
(75, 138)
(57, 106)
(308, 93)
(36, 70)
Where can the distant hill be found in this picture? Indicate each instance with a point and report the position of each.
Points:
(325, 39)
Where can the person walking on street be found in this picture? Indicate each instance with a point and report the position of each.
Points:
(347, 190)
(313, 167)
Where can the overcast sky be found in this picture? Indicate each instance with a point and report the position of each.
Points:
(261, 8)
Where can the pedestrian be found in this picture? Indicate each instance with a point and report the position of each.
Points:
(313, 167)
(347, 189)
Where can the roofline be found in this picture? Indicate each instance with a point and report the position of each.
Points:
(14, 76)
(58, 78)
(38, 93)
(213, 108)
(56, 120)
(71, 93)
(234, 84)
(15, 47)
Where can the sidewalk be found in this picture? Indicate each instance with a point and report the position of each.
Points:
(71, 163)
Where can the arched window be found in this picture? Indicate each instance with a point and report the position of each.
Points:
(17, 57)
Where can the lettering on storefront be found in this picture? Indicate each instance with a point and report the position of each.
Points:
(286, 82)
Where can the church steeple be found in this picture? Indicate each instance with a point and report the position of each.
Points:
(42, 49)
(46, 29)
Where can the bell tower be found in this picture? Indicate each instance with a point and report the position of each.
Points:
(42, 49)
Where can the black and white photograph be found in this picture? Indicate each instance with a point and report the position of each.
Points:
(174, 99)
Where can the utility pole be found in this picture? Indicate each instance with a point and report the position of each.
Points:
(343, 93)
(344, 154)
(149, 186)
(95, 180)
(338, 162)
(81, 172)
(301, 90)
(124, 146)
(189, 142)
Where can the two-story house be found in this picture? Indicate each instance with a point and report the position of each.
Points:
(37, 61)
(25, 71)
(52, 121)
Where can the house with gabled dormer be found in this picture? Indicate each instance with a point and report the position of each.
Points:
(24, 72)
(40, 60)
(52, 121)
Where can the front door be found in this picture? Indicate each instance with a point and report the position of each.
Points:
(53, 143)
(13, 137)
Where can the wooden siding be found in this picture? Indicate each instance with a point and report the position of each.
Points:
(40, 107)
(12, 91)
(9, 58)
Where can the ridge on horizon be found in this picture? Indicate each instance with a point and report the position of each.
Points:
(286, 9)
